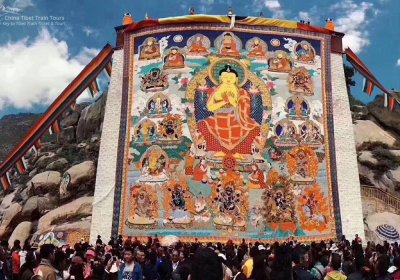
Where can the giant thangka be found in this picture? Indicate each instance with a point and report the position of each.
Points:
(227, 136)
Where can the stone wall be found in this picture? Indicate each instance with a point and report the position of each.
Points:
(346, 157)
(105, 180)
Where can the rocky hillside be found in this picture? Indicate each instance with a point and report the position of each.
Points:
(13, 128)
(378, 146)
(57, 192)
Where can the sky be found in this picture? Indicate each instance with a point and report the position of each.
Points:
(44, 44)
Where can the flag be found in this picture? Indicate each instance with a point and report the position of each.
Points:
(21, 166)
(392, 103)
(368, 86)
(108, 69)
(94, 89)
(5, 181)
(385, 100)
(54, 128)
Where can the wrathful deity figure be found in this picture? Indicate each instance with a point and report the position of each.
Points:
(304, 52)
(144, 206)
(230, 128)
(300, 81)
(229, 46)
(155, 80)
(150, 49)
(174, 59)
(257, 49)
(177, 201)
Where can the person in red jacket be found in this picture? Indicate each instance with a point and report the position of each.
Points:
(16, 259)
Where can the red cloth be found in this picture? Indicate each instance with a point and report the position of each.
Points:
(16, 262)
(230, 132)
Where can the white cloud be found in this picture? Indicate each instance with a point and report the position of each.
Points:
(312, 15)
(36, 72)
(398, 62)
(90, 31)
(353, 20)
(22, 4)
(275, 7)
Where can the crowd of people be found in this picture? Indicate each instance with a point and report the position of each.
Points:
(131, 259)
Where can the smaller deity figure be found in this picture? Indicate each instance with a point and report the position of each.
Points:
(154, 165)
(280, 62)
(256, 178)
(297, 108)
(170, 128)
(155, 80)
(144, 206)
(202, 172)
(199, 45)
(230, 201)
(174, 59)
(304, 52)
(256, 149)
(229, 46)
(177, 201)
(275, 154)
(150, 49)
(300, 81)
(145, 132)
(202, 213)
(303, 165)
(286, 132)
(199, 145)
(256, 216)
(257, 49)
(158, 105)
(310, 134)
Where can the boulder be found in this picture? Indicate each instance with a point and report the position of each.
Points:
(6, 217)
(57, 165)
(59, 151)
(367, 156)
(68, 135)
(7, 200)
(81, 173)
(70, 120)
(27, 192)
(359, 112)
(45, 159)
(30, 206)
(368, 131)
(91, 119)
(47, 181)
(79, 208)
(21, 233)
(33, 173)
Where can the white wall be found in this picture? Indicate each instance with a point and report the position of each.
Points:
(103, 202)
(346, 157)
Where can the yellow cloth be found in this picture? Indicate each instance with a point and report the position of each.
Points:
(248, 267)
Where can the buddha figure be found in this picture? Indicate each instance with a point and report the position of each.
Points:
(304, 52)
(150, 49)
(257, 49)
(199, 45)
(300, 81)
(230, 129)
(297, 108)
(229, 46)
(280, 62)
(174, 59)
(155, 80)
